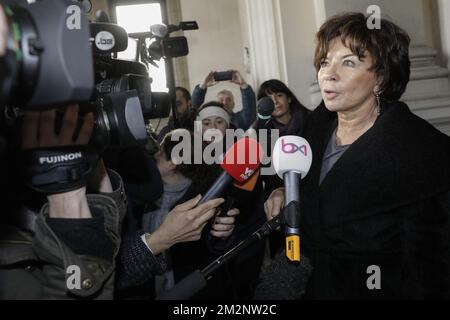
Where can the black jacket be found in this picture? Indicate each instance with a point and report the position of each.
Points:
(386, 202)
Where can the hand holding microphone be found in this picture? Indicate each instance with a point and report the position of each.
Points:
(223, 225)
(274, 204)
(184, 223)
(240, 163)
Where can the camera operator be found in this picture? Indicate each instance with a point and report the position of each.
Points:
(70, 252)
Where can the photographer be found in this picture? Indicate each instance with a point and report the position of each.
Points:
(70, 251)
(242, 119)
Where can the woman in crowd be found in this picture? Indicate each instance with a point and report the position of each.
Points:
(213, 117)
(289, 115)
(376, 203)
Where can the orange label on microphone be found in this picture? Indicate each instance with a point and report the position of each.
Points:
(293, 248)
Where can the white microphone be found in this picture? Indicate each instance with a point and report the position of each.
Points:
(292, 158)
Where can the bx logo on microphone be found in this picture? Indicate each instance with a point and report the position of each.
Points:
(291, 148)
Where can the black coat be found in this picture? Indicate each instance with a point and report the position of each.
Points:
(386, 202)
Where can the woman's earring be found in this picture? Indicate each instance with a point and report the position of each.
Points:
(377, 96)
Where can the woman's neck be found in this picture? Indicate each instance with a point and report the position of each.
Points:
(353, 124)
(284, 119)
(173, 179)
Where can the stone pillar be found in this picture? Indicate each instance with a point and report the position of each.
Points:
(428, 93)
(180, 66)
(261, 20)
(444, 24)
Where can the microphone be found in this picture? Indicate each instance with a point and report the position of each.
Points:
(264, 113)
(197, 280)
(240, 163)
(292, 158)
(250, 184)
(100, 16)
(159, 30)
(108, 38)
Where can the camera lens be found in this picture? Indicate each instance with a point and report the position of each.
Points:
(21, 61)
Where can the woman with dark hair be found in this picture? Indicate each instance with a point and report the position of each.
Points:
(289, 115)
(376, 202)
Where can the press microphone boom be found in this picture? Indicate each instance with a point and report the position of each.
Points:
(197, 280)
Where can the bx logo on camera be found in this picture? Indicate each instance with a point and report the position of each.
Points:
(291, 148)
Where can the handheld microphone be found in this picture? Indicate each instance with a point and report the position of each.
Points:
(250, 184)
(292, 158)
(240, 162)
(264, 114)
(100, 16)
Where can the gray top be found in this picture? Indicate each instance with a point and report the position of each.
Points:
(172, 193)
(332, 154)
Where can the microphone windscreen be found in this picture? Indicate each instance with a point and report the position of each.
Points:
(292, 154)
(159, 30)
(283, 280)
(100, 16)
(265, 107)
(243, 159)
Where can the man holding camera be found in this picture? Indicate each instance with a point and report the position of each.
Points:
(67, 247)
(67, 250)
(242, 119)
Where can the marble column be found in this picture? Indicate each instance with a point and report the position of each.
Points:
(179, 64)
(261, 21)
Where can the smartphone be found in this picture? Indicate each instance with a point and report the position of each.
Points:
(223, 76)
